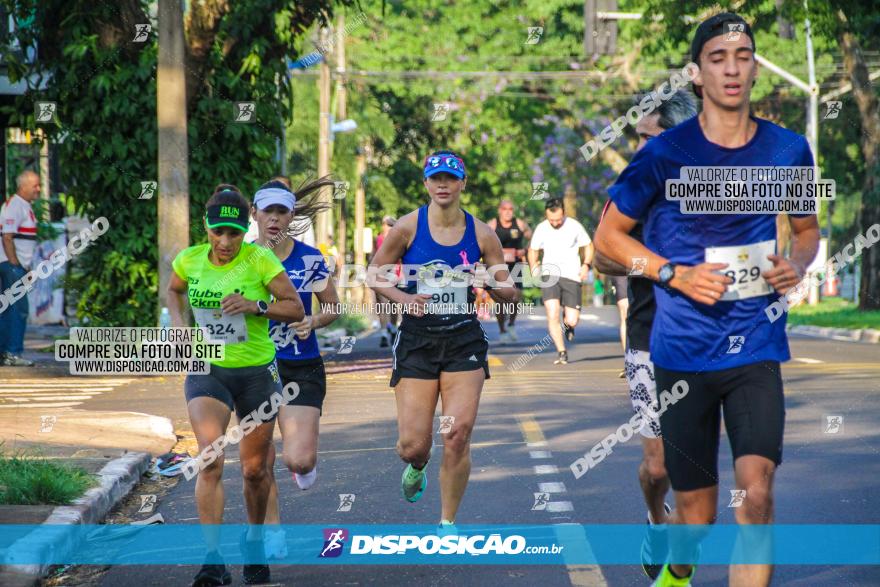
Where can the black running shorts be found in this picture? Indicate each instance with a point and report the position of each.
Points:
(567, 291)
(751, 399)
(423, 356)
(243, 389)
(311, 378)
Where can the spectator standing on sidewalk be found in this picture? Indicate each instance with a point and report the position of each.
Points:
(19, 230)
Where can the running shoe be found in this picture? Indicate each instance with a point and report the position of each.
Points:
(447, 528)
(511, 331)
(562, 359)
(413, 483)
(276, 544)
(256, 570)
(569, 332)
(622, 374)
(383, 342)
(307, 480)
(213, 572)
(504, 337)
(11, 360)
(667, 579)
(655, 546)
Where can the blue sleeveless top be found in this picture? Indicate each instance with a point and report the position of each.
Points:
(305, 267)
(442, 273)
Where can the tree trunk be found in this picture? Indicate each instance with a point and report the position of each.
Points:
(173, 221)
(866, 100)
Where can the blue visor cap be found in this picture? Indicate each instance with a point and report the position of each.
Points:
(451, 164)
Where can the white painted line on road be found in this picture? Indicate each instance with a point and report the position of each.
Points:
(807, 360)
(559, 506)
(47, 398)
(77, 382)
(540, 454)
(55, 389)
(546, 470)
(552, 487)
(41, 406)
(536, 444)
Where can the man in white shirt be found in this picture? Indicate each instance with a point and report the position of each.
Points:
(18, 226)
(567, 251)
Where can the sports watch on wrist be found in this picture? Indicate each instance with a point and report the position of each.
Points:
(262, 307)
(666, 273)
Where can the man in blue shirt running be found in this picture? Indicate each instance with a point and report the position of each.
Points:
(711, 338)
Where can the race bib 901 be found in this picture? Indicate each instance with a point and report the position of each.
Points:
(745, 264)
(221, 327)
(448, 294)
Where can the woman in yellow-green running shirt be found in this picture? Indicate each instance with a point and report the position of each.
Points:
(228, 284)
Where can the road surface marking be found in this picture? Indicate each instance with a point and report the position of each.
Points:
(54, 392)
(552, 487)
(559, 506)
(530, 429)
(546, 469)
(540, 454)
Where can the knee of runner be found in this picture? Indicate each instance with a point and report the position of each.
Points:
(212, 470)
(254, 473)
(655, 468)
(758, 502)
(413, 451)
(300, 464)
(694, 511)
(458, 439)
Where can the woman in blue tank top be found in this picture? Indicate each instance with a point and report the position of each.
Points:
(440, 350)
(296, 345)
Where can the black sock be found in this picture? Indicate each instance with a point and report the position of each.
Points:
(425, 464)
(674, 574)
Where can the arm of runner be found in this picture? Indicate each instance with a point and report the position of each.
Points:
(701, 283)
(174, 299)
(385, 261)
(328, 304)
(586, 254)
(788, 272)
(533, 260)
(524, 228)
(607, 266)
(287, 306)
(493, 257)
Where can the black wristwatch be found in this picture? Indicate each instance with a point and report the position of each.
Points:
(666, 273)
(262, 307)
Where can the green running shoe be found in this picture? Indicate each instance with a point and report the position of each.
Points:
(667, 579)
(413, 483)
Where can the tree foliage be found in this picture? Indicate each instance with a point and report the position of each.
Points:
(104, 85)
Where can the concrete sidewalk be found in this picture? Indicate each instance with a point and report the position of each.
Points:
(114, 446)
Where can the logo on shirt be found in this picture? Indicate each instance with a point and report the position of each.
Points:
(735, 344)
(317, 272)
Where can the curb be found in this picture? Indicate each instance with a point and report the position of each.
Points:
(117, 479)
(866, 335)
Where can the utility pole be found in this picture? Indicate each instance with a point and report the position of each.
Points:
(173, 200)
(324, 220)
(360, 257)
(341, 108)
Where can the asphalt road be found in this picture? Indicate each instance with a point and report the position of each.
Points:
(825, 478)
